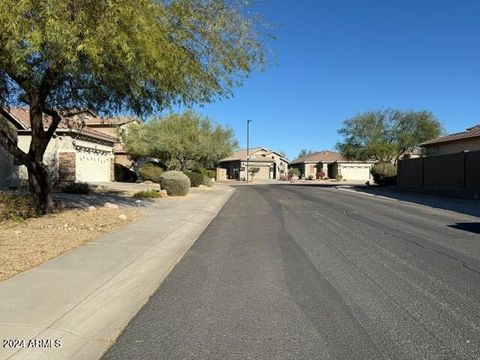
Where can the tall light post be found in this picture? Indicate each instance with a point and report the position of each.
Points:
(248, 145)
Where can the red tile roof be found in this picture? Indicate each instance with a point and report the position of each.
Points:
(120, 120)
(473, 132)
(22, 116)
(322, 156)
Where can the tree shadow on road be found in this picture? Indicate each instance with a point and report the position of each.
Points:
(464, 206)
(470, 227)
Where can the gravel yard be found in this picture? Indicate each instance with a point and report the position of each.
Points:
(26, 244)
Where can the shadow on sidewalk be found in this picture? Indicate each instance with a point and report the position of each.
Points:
(83, 201)
(464, 206)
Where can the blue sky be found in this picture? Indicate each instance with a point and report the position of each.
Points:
(337, 58)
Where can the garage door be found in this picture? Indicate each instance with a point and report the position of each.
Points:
(264, 172)
(352, 172)
(92, 166)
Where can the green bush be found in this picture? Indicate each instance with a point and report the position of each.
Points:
(124, 174)
(211, 173)
(175, 183)
(16, 207)
(339, 177)
(148, 194)
(82, 188)
(384, 174)
(196, 179)
(293, 172)
(207, 181)
(150, 172)
(310, 177)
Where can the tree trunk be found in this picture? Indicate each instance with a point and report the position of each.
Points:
(40, 186)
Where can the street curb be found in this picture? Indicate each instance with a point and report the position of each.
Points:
(89, 327)
(405, 202)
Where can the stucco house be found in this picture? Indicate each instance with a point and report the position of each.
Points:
(114, 126)
(332, 164)
(271, 164)
(468, 140)
(75, 153)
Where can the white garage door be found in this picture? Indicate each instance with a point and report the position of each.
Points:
(92, 166)
(352, 172)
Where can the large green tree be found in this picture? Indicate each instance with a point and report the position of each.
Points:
(117, 56)
(186, 139)
(385, 135)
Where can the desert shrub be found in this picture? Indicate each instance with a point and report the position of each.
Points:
(293, 172)
(321, 174)
(211, 173)
(196, 179)
(82, 188)
(384, 174)
(124, 174)
(207, 181)
(150, 172)
(339, 177)
(175, 183)
(148, 194)
(310, 177)
(16, 207)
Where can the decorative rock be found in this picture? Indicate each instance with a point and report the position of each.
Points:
(122, 217)
(110, 206)
(18, 232)
(91, 208)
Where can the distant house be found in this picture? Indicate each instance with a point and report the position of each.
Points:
(75, 153)
(468, 140)
(271, 164)
(332, 164)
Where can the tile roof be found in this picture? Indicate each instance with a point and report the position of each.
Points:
(22, 116)
(119, 120)
(322, 156)
(473, 132)
(254, 155)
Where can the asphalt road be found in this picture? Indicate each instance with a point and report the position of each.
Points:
(299, 272)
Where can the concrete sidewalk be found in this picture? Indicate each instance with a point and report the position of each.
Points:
(83, 299)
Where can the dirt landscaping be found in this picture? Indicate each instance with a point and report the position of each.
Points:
(26, 244)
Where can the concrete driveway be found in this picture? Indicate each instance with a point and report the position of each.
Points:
(298, 272)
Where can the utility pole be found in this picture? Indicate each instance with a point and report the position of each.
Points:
(248, 145)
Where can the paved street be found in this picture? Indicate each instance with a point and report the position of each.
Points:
(301, 272)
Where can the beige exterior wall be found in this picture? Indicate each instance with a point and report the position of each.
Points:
(92, 160)
(348, 170)
(454, 147)
(221, 174)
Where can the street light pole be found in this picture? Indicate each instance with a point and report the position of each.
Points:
(248, 145)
